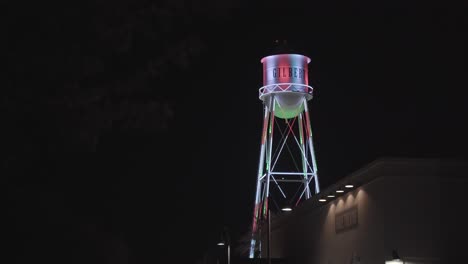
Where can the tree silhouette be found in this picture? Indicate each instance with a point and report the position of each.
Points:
(83, 78)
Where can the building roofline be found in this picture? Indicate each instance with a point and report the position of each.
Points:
(384, 166)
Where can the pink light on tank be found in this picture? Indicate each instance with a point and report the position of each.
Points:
(286, 77)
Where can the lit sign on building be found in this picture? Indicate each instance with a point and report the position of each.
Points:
(346, 220)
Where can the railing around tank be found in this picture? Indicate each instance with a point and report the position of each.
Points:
(285, 87)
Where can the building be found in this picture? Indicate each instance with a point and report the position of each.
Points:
(391, 204)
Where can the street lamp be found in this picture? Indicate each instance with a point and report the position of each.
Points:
(226, 241)
(395, 259)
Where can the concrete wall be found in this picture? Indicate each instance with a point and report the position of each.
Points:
(400, 210)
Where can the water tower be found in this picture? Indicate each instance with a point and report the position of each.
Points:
(287, 170)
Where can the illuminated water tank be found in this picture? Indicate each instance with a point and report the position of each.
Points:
(285, 76)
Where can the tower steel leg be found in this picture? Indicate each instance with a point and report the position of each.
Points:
(269, 149)
(311, 147)
(304, 156)
(258, 198)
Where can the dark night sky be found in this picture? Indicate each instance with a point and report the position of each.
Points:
(132, 129)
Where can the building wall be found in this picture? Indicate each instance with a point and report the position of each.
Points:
(400, 210)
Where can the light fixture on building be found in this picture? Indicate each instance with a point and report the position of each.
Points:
(349, 186)
(286, 209)
(394, 261)
(322, 200)
(331, 196)
(220, 244)
(339, 191)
